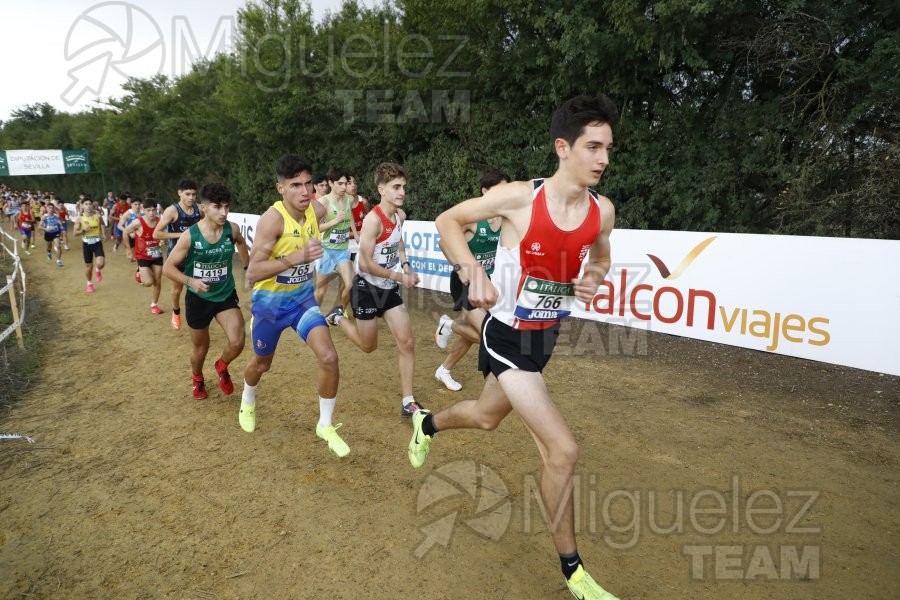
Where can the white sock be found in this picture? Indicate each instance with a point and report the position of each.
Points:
(326, 410)
(408, 399)
(442, 369)
(248, 398)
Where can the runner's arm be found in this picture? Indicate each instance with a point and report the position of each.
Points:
(131, 228)
(262, 264)
(501, 200)
(353, 230)
(599, 257)
(410, 278)
(169, 216)
(468, 234)
(371, 229)
(241, 245)
(177, 257)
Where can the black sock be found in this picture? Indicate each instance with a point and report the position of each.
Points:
(569, 563)
(428, 427)
(177, 311)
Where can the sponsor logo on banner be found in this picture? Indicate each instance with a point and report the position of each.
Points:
(78, 159)
(698, 307)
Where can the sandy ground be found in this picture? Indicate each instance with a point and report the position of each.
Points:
(706, 471)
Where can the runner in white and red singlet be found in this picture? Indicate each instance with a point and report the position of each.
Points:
(382, 269)
(548, 227)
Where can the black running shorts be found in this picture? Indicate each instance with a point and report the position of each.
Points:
(89, 251)
(370, 301)
(459, 291)
(200, 312)
(503, 347)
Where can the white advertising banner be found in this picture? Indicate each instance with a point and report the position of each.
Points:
(247, 224)
(35, 162)
(834, 300)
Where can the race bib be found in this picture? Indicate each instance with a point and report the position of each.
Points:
(339, 236)
(90, 239)
(26, 225)
(542, 300)
(296, 275)
(211, 272)
(154, 252)
(392, 262)
(486, 260)
(390, 256)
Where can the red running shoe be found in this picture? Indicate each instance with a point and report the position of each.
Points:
(199, 387)
(99, 277)
(224, 378)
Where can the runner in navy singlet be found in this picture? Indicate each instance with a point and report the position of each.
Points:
(175, 220)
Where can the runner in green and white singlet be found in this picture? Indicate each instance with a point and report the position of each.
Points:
(482, 238)
(337, 229)
(202, 261)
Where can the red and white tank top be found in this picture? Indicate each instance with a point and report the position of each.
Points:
(359, 213)
(387, 249)
(534, 279)
(145, 247)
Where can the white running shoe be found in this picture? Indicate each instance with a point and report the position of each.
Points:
(443, 375)
(444, 331)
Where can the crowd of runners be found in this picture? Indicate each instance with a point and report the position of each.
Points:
(522, 253)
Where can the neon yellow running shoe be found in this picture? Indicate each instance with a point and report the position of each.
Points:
(247, 417)
(337, 446)
(419, 443)
(584, 587)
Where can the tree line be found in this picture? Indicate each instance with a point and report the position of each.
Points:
(753, 116)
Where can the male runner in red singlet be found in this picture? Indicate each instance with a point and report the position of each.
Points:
(548, 227)
(147, 251)
(119, 209)
(26, 225)
(359, 208)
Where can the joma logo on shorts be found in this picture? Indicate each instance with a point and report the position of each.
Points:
(543, 314)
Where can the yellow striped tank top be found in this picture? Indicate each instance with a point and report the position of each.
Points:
(90, 228)
(282, 293)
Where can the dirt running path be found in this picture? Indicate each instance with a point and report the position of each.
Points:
(134, 490)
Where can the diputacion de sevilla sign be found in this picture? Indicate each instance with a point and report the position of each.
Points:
(44, 162)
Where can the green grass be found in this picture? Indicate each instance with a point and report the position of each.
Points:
(18, 367)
